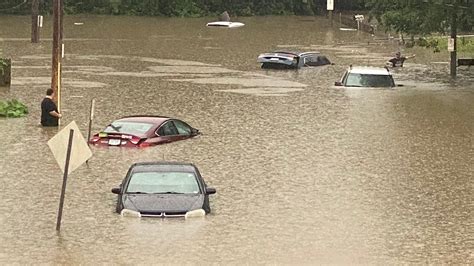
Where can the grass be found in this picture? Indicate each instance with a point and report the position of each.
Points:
(465, 45)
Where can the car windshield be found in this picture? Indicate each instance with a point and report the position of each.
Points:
(133, 128)
(369, 80)
(163, 182)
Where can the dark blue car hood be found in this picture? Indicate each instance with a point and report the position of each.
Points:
(150, 203)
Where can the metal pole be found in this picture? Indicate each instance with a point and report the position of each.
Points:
(59, 90)
(34, 21)
(63, 190)
(91, 117)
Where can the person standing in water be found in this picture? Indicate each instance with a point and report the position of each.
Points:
(398, 60)
(49, 111)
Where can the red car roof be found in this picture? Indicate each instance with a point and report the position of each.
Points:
(157, 120)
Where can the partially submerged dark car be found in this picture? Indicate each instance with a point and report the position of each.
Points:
(292, 60)
(163, 189)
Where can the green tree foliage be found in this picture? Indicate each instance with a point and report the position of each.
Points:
(415, 17)
(13, 108)
(184, 8)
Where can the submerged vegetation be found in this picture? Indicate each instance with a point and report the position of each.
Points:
(4, 63)
(13, 108)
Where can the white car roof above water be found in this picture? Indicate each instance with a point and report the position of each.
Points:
(369, 70)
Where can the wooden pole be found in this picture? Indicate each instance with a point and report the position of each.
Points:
(56, 51)
(63, 189)
(34, 21)
(61, 20)
(454, 26)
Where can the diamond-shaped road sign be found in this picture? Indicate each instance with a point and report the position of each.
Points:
(80, 151)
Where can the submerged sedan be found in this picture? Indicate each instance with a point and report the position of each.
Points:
(143, 131)
(163, 189)
(286, 59)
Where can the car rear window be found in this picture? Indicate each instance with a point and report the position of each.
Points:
(163, 182)
(133, 128)
(369, 80)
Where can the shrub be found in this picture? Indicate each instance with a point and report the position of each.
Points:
(13, 108)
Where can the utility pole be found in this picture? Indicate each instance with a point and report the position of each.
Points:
(454, 26)
(57, 45)
(35, 21)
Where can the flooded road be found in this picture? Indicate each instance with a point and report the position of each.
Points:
(305, 172)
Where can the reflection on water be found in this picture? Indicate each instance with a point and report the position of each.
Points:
(305, 172)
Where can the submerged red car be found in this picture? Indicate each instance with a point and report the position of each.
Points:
(143, 131)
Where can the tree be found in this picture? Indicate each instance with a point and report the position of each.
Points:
(413, 17)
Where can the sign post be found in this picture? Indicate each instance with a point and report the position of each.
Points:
(63, 190)
(330, 8)
(359, 19)
(69, 157)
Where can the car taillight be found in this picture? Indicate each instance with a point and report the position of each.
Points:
(95, 139)
(144, 144)
(135, 140)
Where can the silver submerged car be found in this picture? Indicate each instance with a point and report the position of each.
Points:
(292, 60)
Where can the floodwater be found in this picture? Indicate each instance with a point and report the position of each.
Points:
(305, 172)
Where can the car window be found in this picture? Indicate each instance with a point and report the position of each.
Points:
(322, 60)
(315, 61)
(309, 61)
(163, 182)
(167, 129)
(133, 128)
(183, 128)
(353, 80)
(365, 80)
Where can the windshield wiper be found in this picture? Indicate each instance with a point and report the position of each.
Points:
(116, 128)
(137, 192)
(169, 192)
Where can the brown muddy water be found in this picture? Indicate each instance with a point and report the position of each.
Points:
(305, 172)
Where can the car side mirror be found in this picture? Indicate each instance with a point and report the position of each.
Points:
(210, 190)
(116, 190)
(195, 132)
(337, 83)
(400, 85)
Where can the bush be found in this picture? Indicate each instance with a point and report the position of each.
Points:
(13, 108)
(464, 44)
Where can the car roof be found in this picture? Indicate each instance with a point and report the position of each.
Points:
(369, 70)
(145, 119)
(163, 166)
(296, 53)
